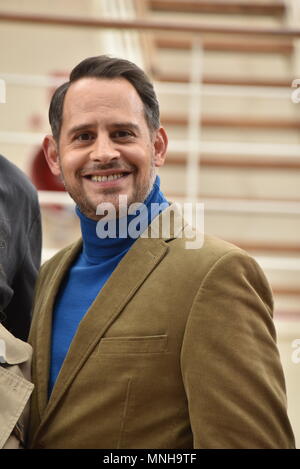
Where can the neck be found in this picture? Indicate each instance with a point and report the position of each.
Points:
(107, 238)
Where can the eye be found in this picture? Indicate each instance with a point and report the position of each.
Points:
(84, 137)
(123, 134)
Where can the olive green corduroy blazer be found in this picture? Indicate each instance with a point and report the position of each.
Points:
(178, 350)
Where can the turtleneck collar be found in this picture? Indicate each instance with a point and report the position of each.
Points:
(96, 249)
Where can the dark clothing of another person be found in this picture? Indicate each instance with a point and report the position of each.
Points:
(20, 248)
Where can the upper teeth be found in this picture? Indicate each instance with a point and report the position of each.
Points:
(111, 177)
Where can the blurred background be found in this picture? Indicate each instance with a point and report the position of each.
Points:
(223, 72)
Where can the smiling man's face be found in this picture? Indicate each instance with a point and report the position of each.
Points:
(105, 148)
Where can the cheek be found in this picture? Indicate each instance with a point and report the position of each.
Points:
(144, 160)
(70, 165)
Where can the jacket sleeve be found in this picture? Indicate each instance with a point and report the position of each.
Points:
(19, 309)
(230, 363)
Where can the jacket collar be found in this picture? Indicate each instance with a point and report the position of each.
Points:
(13, 351)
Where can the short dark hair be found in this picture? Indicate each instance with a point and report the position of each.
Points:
(103, 66)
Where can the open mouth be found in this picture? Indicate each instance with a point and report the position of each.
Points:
(106, 178)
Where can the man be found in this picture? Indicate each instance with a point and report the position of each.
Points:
(20, 251)
(140, 342)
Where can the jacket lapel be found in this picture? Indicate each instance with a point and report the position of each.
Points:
(131, 272)
(42, 335)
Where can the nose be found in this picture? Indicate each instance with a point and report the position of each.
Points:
(104, 150)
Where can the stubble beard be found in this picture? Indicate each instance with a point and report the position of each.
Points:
(89, 209)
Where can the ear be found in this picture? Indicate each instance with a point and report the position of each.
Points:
(160, 146)
(51, 154)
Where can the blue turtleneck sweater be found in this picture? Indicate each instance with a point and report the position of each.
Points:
(91, 269)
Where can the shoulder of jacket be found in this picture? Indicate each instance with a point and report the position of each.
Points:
(209, 246)
(200, 261)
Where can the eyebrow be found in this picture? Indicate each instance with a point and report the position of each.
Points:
(129, 125)
(79, 127)
(115, 125)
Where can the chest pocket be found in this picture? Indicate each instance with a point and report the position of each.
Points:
(133, 345)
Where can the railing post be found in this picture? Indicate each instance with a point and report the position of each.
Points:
(293, 21)
(194, 121)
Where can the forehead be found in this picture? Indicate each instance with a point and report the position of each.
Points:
(103, 97)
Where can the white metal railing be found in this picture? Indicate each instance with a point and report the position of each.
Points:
(292, 20)
(263, 207)
(240, 148)
(279, 263)
(246, 206)
(290, 150)
(194, 120)
(43, 81)
(21, 138)
(123, 43)
(263, 92)
(56, 198)
(287, 328)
